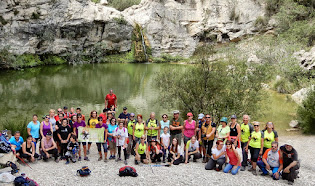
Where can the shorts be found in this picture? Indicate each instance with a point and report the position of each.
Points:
(186, 139)
(83, 143)
(112, 145)
(142, 157)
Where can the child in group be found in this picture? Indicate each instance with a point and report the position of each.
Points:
(121, 136)
(165, 141)
(64, 133)
(72, 149)
(155, 151)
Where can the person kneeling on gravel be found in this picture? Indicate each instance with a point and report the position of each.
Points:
(290, 162)
(142, 153)
(49, 147)
(271, 160)
(192, 149)
(218, 157)
(72, 149)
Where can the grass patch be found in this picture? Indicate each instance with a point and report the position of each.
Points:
(14, 126)
(167, 58)
(122, 4)
(127, 57)
(3, 21)
(121, 20)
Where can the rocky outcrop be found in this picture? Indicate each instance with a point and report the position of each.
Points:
(176, 27)
(306, 59)
(300, 95)
(62, 27)
(172, 26)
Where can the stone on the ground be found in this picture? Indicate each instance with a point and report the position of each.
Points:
(300, 95)
(294, 123)
(104, 2)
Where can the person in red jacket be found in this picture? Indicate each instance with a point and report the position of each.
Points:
(110, 99)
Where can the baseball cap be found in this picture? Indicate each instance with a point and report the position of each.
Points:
(176, 112)
(289, 142)
(189, 114)
(201, 115)
(65, 107)
(132, 114)
(125, 108)
(233, 116)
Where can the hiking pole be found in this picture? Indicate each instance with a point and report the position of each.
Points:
(23, 161)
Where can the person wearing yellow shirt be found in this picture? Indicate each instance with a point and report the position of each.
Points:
(270, 135)
(246, 130)
(91, 124)
(255, 145)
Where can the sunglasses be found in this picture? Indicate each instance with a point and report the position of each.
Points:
(228, 144)
(208, 117)
(59, 110)
(47, 118)
(256, 125)
(274, 146)
(142, 138)
(79, 117)
(164, 117)
(132, 116)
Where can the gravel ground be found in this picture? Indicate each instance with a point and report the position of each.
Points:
(51, 173)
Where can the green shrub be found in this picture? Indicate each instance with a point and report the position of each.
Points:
(121, 20)
(306, 114)
(273, 6)
(14, 126)
(27, 60)
(260, 22)
(35, 15)
(53, 60)
(96, 1)
(283, 86)
(167, 58)
(122, 4)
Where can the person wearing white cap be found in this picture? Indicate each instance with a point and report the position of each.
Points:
(176, 126)
(290, 162)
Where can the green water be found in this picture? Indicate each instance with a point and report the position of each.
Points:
(36, 90)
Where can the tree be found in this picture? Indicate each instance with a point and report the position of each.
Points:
(306, 113)
(218, 88)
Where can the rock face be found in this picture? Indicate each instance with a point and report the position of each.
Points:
(62, 26)
(300, 95)
(172, 26)
(306, 59)
(176, 26)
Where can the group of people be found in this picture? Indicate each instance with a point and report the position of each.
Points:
(157, 141)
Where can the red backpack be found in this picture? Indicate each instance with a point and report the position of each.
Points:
(128, 171)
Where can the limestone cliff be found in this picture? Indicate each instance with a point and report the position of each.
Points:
(62, 26)
(172, 26)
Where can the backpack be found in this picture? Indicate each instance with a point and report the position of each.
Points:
(21, 181)
(128, 171)
(4, 144)
(13, 166)
(84, 171)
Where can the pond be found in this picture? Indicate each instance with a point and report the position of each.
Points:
(36, 90)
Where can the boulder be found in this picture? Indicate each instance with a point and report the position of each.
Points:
(300, 95)
(104, 2)
(294, 123)
(7, 157)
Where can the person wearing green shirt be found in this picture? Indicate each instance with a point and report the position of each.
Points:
(176, 127)
(255, 145)
(246, 130)
(130, 125)
(153, 128)
(141, 150)
(270, 135)
(223, 131)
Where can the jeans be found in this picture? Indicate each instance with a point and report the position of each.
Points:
(212, 163)
(229, 167)
(244, 154)
(262, 166)
(99, 147)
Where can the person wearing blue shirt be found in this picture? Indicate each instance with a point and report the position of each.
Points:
(16, 143)
(33, 128)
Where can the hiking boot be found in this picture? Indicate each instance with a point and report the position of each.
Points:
(204, 160)
(57, 160)
(86, 159)
(194, 160)
(118, 159)
(67, 162)
(39, 157)
(125, 162)
(136, 162)
(290, 183)
(217, 169)
(100, 159)
(114, 157)
(163, 161)
(79, 159)
(105, 160)
(243, 168)
(251, 169)
(87, 152)
(110, 157)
